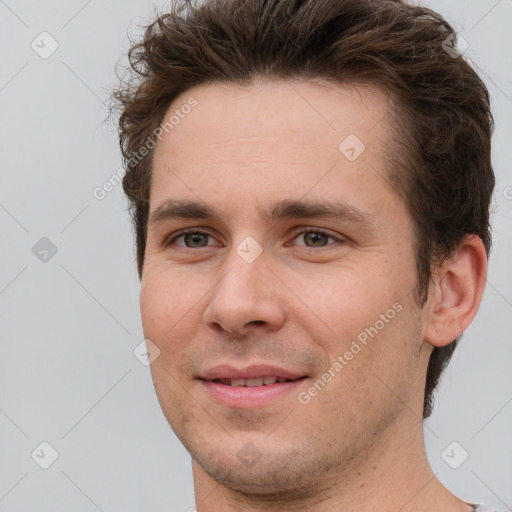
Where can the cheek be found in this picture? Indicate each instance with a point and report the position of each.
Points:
(365, 322)
(168, 320)
(346, 301)
(371, 370)
(169, 308)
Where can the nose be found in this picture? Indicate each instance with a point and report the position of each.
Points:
(246, 298)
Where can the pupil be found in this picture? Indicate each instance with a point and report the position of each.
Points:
(195, 240)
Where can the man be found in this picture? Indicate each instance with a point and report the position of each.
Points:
(309, 182)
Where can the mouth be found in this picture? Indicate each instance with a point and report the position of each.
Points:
(251, 387)
(254, 382)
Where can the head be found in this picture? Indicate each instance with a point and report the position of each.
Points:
(272, 88)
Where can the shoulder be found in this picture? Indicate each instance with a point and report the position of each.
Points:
(484, 508)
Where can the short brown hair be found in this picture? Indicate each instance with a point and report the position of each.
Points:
(442, 124)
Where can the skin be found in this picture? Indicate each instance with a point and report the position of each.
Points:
(358, 444)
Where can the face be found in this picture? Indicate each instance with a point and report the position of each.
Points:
(278, 282)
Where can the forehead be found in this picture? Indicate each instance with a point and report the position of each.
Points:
(272, 139)
(314, 110)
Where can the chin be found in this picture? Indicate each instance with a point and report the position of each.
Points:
(269, 482)
(273, 474)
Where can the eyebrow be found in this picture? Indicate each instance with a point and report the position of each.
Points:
(273, 212)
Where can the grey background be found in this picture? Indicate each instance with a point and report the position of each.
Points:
(69, 325)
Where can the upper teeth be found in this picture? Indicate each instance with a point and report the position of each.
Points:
(251, 383)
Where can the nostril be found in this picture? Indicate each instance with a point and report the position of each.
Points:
(216, 327)
(257, 322)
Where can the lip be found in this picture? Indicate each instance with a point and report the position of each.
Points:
(242, 397)
(227, 371)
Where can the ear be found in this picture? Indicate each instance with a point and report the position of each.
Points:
(456, 292)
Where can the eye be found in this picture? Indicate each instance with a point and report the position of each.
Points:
(192, 240)
(315, 238)
(311, 238)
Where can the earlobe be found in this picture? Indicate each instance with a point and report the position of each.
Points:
(456, 293)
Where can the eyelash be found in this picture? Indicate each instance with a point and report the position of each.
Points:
(296, 235)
